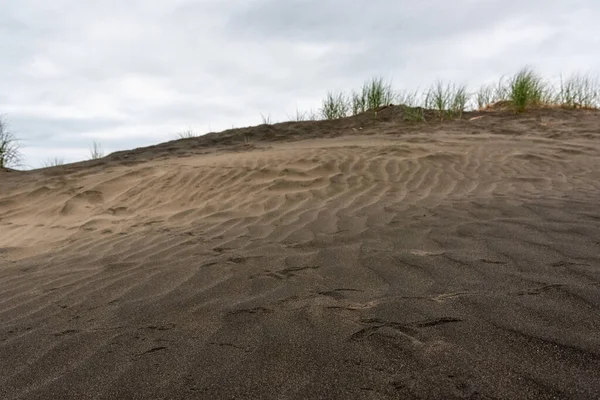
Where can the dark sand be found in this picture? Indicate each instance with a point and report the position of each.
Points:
(369, 260)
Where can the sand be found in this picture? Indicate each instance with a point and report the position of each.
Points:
(354, 259)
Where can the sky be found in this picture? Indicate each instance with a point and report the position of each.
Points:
(131, 73)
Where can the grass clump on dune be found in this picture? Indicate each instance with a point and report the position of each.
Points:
(96, 152)
(488, 95)
(335, 106)
(527, 88)
(413, 110)
(53, 162)
(187, 134)
(449, 100)
(579, 91)
(374, 94)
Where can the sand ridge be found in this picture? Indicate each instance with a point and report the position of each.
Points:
(433, 264)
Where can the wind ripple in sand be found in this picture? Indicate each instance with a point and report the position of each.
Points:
(457, 267)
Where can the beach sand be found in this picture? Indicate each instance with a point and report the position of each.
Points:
(355, 259)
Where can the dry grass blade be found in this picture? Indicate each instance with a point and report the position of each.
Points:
(53, 162)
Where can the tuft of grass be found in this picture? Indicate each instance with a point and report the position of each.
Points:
(53, 162)
(10, 151)
(379, 93)
(299, 116)
(335, 106)
(449, 100)
(266, 120)
(414, 114)
(187, 134)
(312, 115)
(579, 91)
(526, 89)
(413, 110)
(374, 94)
(486, 96)
(358, 102)
(96, 151)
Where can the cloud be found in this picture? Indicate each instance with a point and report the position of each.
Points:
(134, 73)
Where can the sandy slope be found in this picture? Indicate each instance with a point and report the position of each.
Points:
(457, 260)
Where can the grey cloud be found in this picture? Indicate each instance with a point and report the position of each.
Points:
(135, 71)
(383, 20)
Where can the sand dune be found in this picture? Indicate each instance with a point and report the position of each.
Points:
(375, 260)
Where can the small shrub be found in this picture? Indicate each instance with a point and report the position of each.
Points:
(10, 152)
(335, 106)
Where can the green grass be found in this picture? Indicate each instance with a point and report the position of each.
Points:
(335, 106)
(374, 94)
(523, 90)
(413, 106)
(526, 89)
(579, 91)
(448, 100)
(486, 96)
(358, 102)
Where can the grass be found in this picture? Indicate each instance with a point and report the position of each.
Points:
(374, 94)
(523, 90)
(448, 100)
(187, 134)
(53, 162)
(10, 152)
(335, 106)
(299, 116)
(579, 91)
(358, 102)
(96, 151)
(413, 110)
(527, 88)
(486, 96)
(266, 120)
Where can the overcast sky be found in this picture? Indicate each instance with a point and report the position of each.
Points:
(130, 73)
